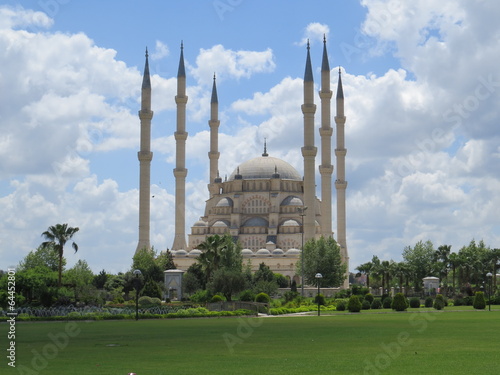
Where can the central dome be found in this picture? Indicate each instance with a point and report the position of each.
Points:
(265, 167)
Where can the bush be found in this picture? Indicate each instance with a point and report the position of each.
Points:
(415, 302)
(247, 295)
(376, 304)
(262, 297)
(458, 302)
(399, 303)
(216, 298)
(341, 306)
(290, 296)
(354, 305)
(387, 303)
(201, 296)
(429, 302)
(321, 298)
(439, 303)
(365, 305)
(369, 298)
(145, 301)
(479, 301)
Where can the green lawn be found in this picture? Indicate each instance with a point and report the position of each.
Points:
(392, 343)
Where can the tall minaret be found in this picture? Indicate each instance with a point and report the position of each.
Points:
(214, 153)
(326, 168)
(341, 183)
(309, 151)
(145, 156)
(180, 171)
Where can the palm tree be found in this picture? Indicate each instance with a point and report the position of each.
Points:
(210, 258)
(57, 236)
(366, 269)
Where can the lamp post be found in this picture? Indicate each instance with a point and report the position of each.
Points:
(137, 283)
(318, 277)
(302, 213)
(489, 275)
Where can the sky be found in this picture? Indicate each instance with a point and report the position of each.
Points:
(422, 95)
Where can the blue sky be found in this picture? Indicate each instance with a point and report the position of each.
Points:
(422, 95)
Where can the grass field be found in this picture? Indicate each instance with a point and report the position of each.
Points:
(428, 342)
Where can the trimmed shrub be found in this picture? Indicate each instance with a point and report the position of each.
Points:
(216, 298)
(458, 302)
(247, 295)
(479, 301)
(439, 303)
(415, 302)
(321, 298)
(387, 303)
(262, 297)
(340, 306)
(429, 302)
(399, 303)
(369, 297)
(376, 304)
(365, 305)
(145, 301)
(354, 304)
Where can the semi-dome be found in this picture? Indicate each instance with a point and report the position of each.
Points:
(263, 252)
(200, 223)
(292, 200)
(265, 167)
(225, 202)
(247, 253)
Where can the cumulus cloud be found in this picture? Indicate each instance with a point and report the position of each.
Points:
(161, 51)
(229, 64)
(314, 32)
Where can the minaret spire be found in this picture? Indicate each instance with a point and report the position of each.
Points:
(145, 156)
(340, 182)
(309, 151)
(213, 154)
(326, 131)
(180, 171)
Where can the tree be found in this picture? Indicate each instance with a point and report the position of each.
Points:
(455, 262)
(323, 256)
(43, 256)
(145, 261)
(366, 269)
(420, 259)
(100, 279)
(57, 236)
(219, 252)
(227, 281)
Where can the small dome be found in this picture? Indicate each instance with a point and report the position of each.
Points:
(263, 252)
(221, 224)
(200, 223)
(194, 253)
(292, 252)
(181, 253)
(292, 200)
(247, 253)
(290, 223)
(256, 222)
(278, 252)
(225, 202)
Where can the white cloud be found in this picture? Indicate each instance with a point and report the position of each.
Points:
(229, 64)
(161, 51)
(314, 32)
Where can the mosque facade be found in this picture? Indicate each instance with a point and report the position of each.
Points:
(265, 204)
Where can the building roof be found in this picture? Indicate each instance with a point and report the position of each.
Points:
(264, 167)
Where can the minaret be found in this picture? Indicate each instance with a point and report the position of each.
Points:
(145, 156)
(180, 171)
(214, 153)
(326, 168)
(341, 183)
(309, 151)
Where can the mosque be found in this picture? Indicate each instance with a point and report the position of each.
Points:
(265, 204)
